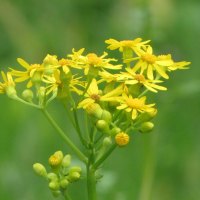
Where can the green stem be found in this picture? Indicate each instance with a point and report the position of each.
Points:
(66, 196)
(91, 183)
(78, 130)
(64, 136)
(104, 156)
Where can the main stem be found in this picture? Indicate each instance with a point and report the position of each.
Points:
(91, 183)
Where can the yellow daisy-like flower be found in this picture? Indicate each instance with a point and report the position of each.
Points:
(131, 78)
(121, 45)
(91, 61)
(54, 83)
(8, 82)
(148, 62)
(31, 71)
(94, 95)
(134, 105)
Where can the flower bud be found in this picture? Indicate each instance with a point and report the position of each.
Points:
(148, 115)
(27, 95)
(56, 159)
(66, 160)
(75, 169)
(94, 110)
(122, 139)
(64, 183)
(54, 185)
(40, 169)
(106, 116)
(146, 127)
(52, 176)
(74, 176)
(115, 130)
(107, 141)
(102, 125)
(56, 193)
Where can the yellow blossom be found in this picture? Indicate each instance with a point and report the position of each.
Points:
(94, 95)
(54, 83)
(134, 105)
(7, 82)
(149, 63)
(31, 71)
(108, 77)
(132, 44)
(122, 139)
(91, 61)
(131, 78)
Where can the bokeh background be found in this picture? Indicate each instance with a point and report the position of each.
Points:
(162, 165)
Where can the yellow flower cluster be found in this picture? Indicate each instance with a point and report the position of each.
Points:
(112, 92)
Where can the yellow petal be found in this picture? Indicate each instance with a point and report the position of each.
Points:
(23, 63)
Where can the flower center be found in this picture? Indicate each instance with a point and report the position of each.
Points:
(93, 59)
(139, 77)
(134, 103)
(63, 62)
(149, 58)
(96, 97)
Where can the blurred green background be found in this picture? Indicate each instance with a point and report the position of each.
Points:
(162, 165)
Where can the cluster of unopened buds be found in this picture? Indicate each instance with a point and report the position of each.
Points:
(108, 95)
(61, 175)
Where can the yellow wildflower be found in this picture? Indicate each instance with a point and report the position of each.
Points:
(94, 95)
(54, 83)
(131, 78)
(134, 105)
(132, 44)
(8, 82)
(32, 72)
(92, 61)
(149, 63)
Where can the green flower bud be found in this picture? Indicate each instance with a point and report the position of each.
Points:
(54, 185)
(52, 176)
(94, 110)
(11, 92)
(107, 141)
(40, 169)
(75, 169)
(74, 176)
(102, 125)
(106, 116)
(66, 160)
(115, 130)
(147, 115)
(27, 95)
(146, 127)
(64, 183)
(56, 193)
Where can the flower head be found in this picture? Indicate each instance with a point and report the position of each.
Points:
(134, 105)
(8, 85)
(94, 95)
(92, 62)
(150, 63)
(121, 45)
(131, 78)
